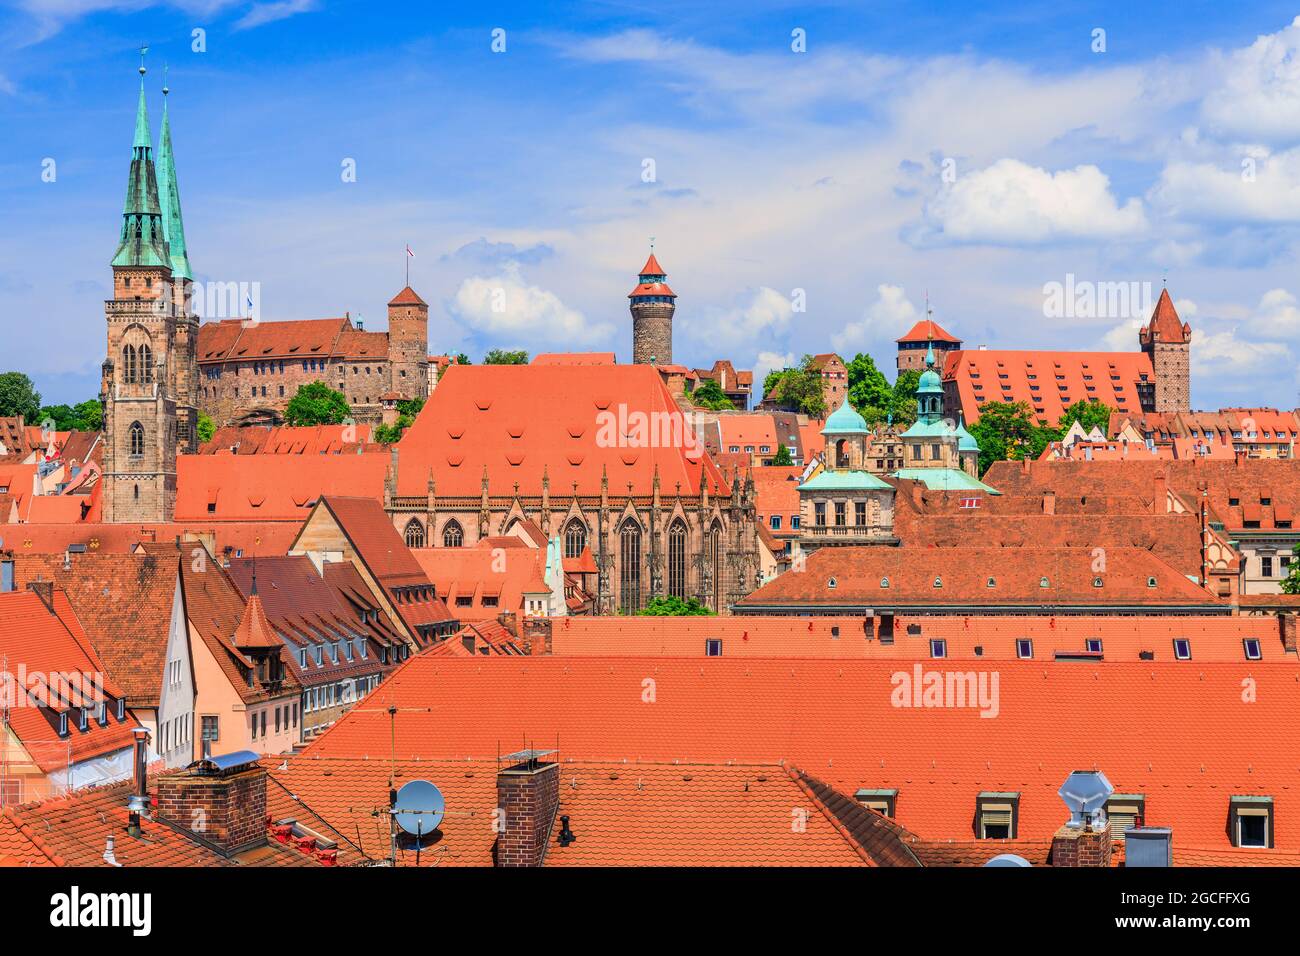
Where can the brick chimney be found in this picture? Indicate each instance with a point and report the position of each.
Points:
(224, 808)
(43, 590)
(528, 796)
(537, 635)
(1081, 847)
(509, 620)
(1286, 621)
(1049, 502)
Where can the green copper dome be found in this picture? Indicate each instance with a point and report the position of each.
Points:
(845, 421)
(965, 440)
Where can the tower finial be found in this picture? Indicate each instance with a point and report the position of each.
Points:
(165, 89)
(143, 50)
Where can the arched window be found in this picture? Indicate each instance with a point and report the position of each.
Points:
(629, 575)
(128, 364)
(414, 533)
(452, 536)
(146, 364)
(715, 562)
(136, 433)
(575, 538)
(677, 559)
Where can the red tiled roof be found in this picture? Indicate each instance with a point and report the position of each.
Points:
(575, 358)
(964, 575)
(970, 637)
(407, 296)
(1165, 324)
(1060, 379)
(249, 537)
(288, 440)
(42, 641)
(478, 573)
(624, 814)
(124, 602)
(1182, 735)
(489, 417)
(268, 488)
(652, 267)
(243, 340)
(928, 330)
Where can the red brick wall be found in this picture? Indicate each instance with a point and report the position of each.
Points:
(527, 799)
(228, 811)
(1081, 848)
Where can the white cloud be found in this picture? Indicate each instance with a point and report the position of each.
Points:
(261, 14)
(767, 362)
(1012, 203)
(1259, 97)
(1277, 314)
(1225, 353)
(1253, 188)
(506, 306)
(889, 316)
(762, 314)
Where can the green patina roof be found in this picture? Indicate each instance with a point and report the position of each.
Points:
(169, 198)
(142, 242)
(945, 479)
(845, 421)
(843, 481)
(965, 440)
(922, 428)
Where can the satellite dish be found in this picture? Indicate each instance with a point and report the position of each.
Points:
(419, 807)
(1008, 859)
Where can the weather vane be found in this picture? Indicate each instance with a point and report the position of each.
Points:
(143, 50)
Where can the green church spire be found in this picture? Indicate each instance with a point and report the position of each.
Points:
(170, 198)
(142, 242)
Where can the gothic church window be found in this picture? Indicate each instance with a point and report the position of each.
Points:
(414, 534)
(452, 535)
(677, 560)
(575, 538)
(136, 437)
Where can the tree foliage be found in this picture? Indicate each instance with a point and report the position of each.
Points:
(1089, 415)
(18, 396)
(206, 427)
(673, 607)
(1009, 431)
(506, 357)
(782, 456)
(1291, 583)
(407, 409)
(709, 394)
(317, 404)
(87, 416)
(798, 389)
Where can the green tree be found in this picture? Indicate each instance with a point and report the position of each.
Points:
(797, 389)
(709, 394)
(506, 357)
(317, 404)
(206, 427)
(1009, 431)
(1291, 583)
(869, 390)
(1089, 415)
(674, 607)
(87, 416)
(903, 397)
(782, 456)
(18, 396)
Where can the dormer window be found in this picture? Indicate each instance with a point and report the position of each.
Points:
(884, 582)
(991, 583)
(63, 724)
(121, 708)
(83, 719)
(1096, 582)
(831, 584)
(996, 815)
(1252, 821)
(938, 582)
(1151, 582)
(101, 713)
(938, 648)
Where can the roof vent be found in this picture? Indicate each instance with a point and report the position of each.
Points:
(1085, 793)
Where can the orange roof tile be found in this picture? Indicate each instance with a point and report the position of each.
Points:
(268, 488)
(1182, 735)
(407, 296)
(927, 330)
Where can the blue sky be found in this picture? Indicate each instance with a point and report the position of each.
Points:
(974, 152)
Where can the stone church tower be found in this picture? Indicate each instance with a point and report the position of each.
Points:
(652, 304)
(1167, 339)
(149, 376)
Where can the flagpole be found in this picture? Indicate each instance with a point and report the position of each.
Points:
(407, 257)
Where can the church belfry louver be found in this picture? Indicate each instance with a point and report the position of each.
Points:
(149, 375)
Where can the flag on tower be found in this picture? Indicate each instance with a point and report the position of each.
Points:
(409, 252)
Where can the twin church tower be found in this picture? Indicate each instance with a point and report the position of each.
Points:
(150, 377)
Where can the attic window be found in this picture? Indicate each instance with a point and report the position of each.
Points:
(1252, 648)
(1252, 821)
(1093, 645)
(996, 816)
(1182, 649)
(938, 648)
(1151, 582)
(882, 801)
(884, 582)
(1124, 810)
(938, 582)
(713, 647)
(1043, 582)
(1096, 582)
(63, 725)
(830, 583)
(1025, 649)
(992, 583)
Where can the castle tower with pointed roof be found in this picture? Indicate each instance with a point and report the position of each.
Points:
(408, 344)
(652, 304)
(142, 373)
(1167, 340)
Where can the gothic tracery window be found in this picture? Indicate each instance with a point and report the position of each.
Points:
(414, 534)
(629, 576)
(677, 559)
(452, 535)
(575, 538)
(136, 438)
